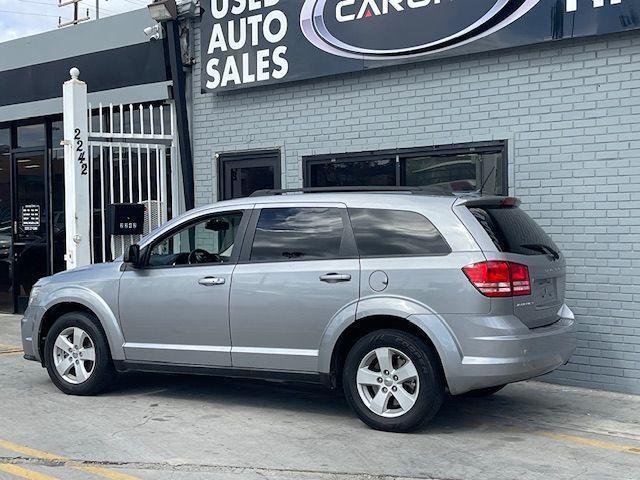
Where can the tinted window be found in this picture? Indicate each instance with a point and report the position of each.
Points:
(5, 140)
(31, 135)
(513, 231)
(209, 241)
(284, 234)
(441, 168)
(386, 233)
(347, 173)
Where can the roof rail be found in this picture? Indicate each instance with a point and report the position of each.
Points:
(262, 193)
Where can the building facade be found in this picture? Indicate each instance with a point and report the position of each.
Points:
(125, 73)
(555, 123)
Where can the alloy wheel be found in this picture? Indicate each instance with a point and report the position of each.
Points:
(388, 382)
(74, 355)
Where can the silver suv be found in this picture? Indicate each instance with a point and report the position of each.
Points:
(395, 297)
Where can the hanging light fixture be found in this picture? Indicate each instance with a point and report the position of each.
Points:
(163, 10)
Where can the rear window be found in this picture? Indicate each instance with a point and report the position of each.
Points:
(388, 233)
(513, 231)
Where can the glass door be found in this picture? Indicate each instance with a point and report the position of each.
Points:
(30, 224)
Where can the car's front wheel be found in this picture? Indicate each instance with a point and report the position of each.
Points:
(392, 380)
(77, 355)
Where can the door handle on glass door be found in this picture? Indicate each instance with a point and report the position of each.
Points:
(335, 278)
(211, 281)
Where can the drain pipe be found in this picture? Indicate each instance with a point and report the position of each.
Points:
(166, 11)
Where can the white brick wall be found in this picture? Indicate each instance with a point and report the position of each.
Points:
(570, 111)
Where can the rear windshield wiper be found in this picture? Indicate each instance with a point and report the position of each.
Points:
(539, 247)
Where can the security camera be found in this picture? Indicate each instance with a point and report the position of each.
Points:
(154, 33)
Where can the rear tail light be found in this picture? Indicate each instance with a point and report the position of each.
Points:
(499, 279)
(520, 282)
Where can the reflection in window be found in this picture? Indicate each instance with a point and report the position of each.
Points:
(57, 206)
(6, 274)
(395, 232)
(5, 140)
(448, 168)
(57, 133)
(287, 234)
(463, 172)
(31, 136)
(379, 172)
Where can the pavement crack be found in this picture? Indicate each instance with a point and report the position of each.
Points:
(266, 472)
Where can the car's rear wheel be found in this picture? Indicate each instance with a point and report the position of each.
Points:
(392, 380)
(77, 355)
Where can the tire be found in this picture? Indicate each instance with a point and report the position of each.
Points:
(93, 376)
(484, 392)
(422, 393)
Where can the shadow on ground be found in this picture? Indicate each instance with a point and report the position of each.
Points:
(508, 407)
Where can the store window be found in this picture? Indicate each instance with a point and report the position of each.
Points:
(6, 273)
(351, 172)
(57, 196)
(31, 136)
(458, 168)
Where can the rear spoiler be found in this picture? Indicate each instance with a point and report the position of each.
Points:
(488, 201)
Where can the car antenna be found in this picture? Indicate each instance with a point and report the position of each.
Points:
(484, 182)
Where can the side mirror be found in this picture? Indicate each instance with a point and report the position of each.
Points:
(132, 255)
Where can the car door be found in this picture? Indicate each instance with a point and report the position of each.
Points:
(298, 270)
(175, 308)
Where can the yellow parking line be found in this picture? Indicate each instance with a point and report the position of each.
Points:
(103, 472)
(9, 349)
(31, 452)
(590, 442)
(11, 353)
(23, 472)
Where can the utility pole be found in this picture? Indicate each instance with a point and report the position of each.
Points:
(76, 20)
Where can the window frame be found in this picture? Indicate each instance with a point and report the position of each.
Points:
(408, 255)
(402, 154)
(233, 260)
(224, 158)
(348, 238)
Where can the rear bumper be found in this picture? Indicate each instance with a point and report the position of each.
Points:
(493, 351)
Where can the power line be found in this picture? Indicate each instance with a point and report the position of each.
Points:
(39, 3)
(81, 1)
(29, 13)
(92, 7)
(144, 4)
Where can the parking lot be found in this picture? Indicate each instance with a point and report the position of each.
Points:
(172, 427)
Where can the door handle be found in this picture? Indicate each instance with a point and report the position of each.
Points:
(211, 281)
(335, 278)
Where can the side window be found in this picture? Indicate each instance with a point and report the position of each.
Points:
(287, 234)
(388, 233)
(209, 241)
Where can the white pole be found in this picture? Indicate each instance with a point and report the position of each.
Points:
(76, 172)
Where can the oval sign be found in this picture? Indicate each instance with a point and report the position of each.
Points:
(378, 29)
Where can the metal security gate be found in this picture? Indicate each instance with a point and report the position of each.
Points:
(131, 159)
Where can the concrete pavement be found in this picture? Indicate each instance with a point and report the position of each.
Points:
(186, 427)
